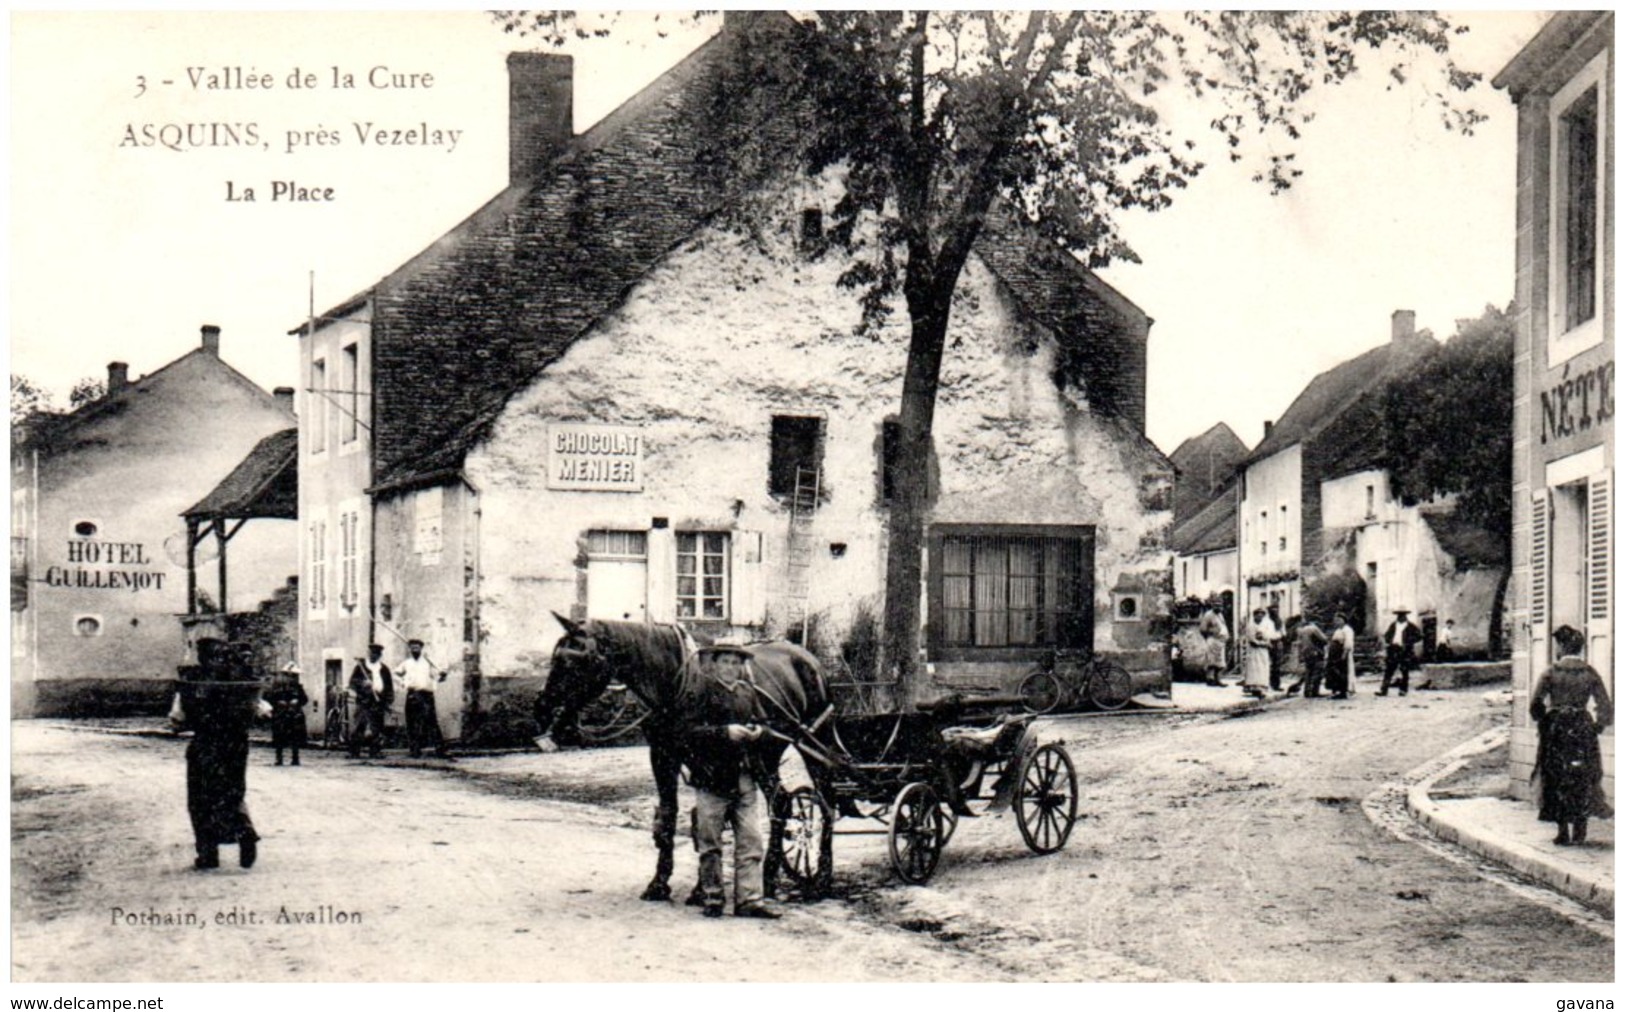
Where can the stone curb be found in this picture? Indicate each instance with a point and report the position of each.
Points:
(1526, 861)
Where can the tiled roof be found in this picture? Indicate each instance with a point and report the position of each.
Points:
(1206, 463)
(1337, 389)
(479, 314)
(264, 484)
(1211, 530)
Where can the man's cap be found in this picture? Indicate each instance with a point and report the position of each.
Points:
(375, 646)
(1402, 611)
(414, 643)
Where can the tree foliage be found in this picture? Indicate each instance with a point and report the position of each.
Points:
(1449, 423)
(86, 390)
(937, 120)
(27, 400)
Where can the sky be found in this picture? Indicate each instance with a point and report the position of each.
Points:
(122, 249)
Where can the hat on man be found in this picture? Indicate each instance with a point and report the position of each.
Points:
(414, 643)
(1402, 611)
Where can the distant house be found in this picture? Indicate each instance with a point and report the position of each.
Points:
(618, 390)
(1563, 438)
(1204, 534)
(1205, 466)
(98, 543)
(1279, 530)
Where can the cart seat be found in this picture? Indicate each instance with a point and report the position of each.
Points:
(983, 742)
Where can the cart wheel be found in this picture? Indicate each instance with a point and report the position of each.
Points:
(917, 833)
(1040, 692)
(1110, 687)
(803, 840)
(1047, 799)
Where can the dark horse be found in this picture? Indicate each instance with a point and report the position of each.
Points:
(649, 660)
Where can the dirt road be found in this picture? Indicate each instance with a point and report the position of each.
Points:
(1214, 849)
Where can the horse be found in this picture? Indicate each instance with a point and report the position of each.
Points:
(651, 661)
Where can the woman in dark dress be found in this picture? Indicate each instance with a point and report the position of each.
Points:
(287, 698)
(1568, 762)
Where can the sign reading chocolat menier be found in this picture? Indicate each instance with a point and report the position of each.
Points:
(594, 458)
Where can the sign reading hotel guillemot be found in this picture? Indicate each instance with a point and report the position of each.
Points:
(105, 565)
(594, 458)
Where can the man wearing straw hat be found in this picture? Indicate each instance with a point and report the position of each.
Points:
(727, 780)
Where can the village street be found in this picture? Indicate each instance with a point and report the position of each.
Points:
(1215, 848)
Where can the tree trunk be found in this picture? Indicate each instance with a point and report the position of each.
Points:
(904, 567)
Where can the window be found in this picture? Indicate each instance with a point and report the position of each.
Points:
(1204, 567)
(618, 544)
(1283, 544)
(702, 575)
(798, 448)
(1011, 589)
(87, 625)
(1371, 502)
(318, 405)
(1578, 126)
(1263, 548)
(318, 566)
(348, 396)
(812, 231)
(349, 540)
(85, 529)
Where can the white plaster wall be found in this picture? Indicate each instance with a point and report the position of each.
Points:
(732, 329)
(1221, 574)
(1271, 483)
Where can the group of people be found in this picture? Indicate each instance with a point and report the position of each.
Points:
(219, 698)
(372, 686)
(1325, 661)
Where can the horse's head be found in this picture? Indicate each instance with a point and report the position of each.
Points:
(578, 674)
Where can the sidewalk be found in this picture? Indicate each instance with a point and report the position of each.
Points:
(1468, 803)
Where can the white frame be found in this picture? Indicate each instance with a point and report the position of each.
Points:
(1562, 343)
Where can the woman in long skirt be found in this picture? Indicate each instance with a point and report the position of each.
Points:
(1568, 761)
(1258, 637)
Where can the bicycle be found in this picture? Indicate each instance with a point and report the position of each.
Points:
(336, 731)
(1105, 684)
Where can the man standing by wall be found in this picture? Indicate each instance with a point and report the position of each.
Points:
(1401, 642)
(422, 723)
(374, 690)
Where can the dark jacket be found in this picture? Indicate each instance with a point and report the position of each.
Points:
(1412, 637)
(361, 685)
(714, 760)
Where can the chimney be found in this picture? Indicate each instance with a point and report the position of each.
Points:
(118, 376)
(1404, 324)
(541, 120)
(211, 339)
(284, 398)
(1268, 425)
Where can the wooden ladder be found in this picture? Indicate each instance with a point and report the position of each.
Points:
(799, 554)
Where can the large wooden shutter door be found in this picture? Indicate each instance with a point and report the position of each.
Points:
(1540, 581)
(1600, 572)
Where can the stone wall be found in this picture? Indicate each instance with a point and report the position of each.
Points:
(736, 326)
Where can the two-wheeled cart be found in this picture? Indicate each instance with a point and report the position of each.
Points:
(916, 775)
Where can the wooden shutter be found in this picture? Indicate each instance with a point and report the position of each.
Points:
(1540, 578)
(1599, 550)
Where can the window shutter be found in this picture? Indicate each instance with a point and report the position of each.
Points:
(1540, 576)
(1599, 551)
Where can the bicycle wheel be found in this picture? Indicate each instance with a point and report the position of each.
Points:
(1110, 686)
(333, 731)
(1040, 692)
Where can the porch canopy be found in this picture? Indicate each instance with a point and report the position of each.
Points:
(264, 485)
